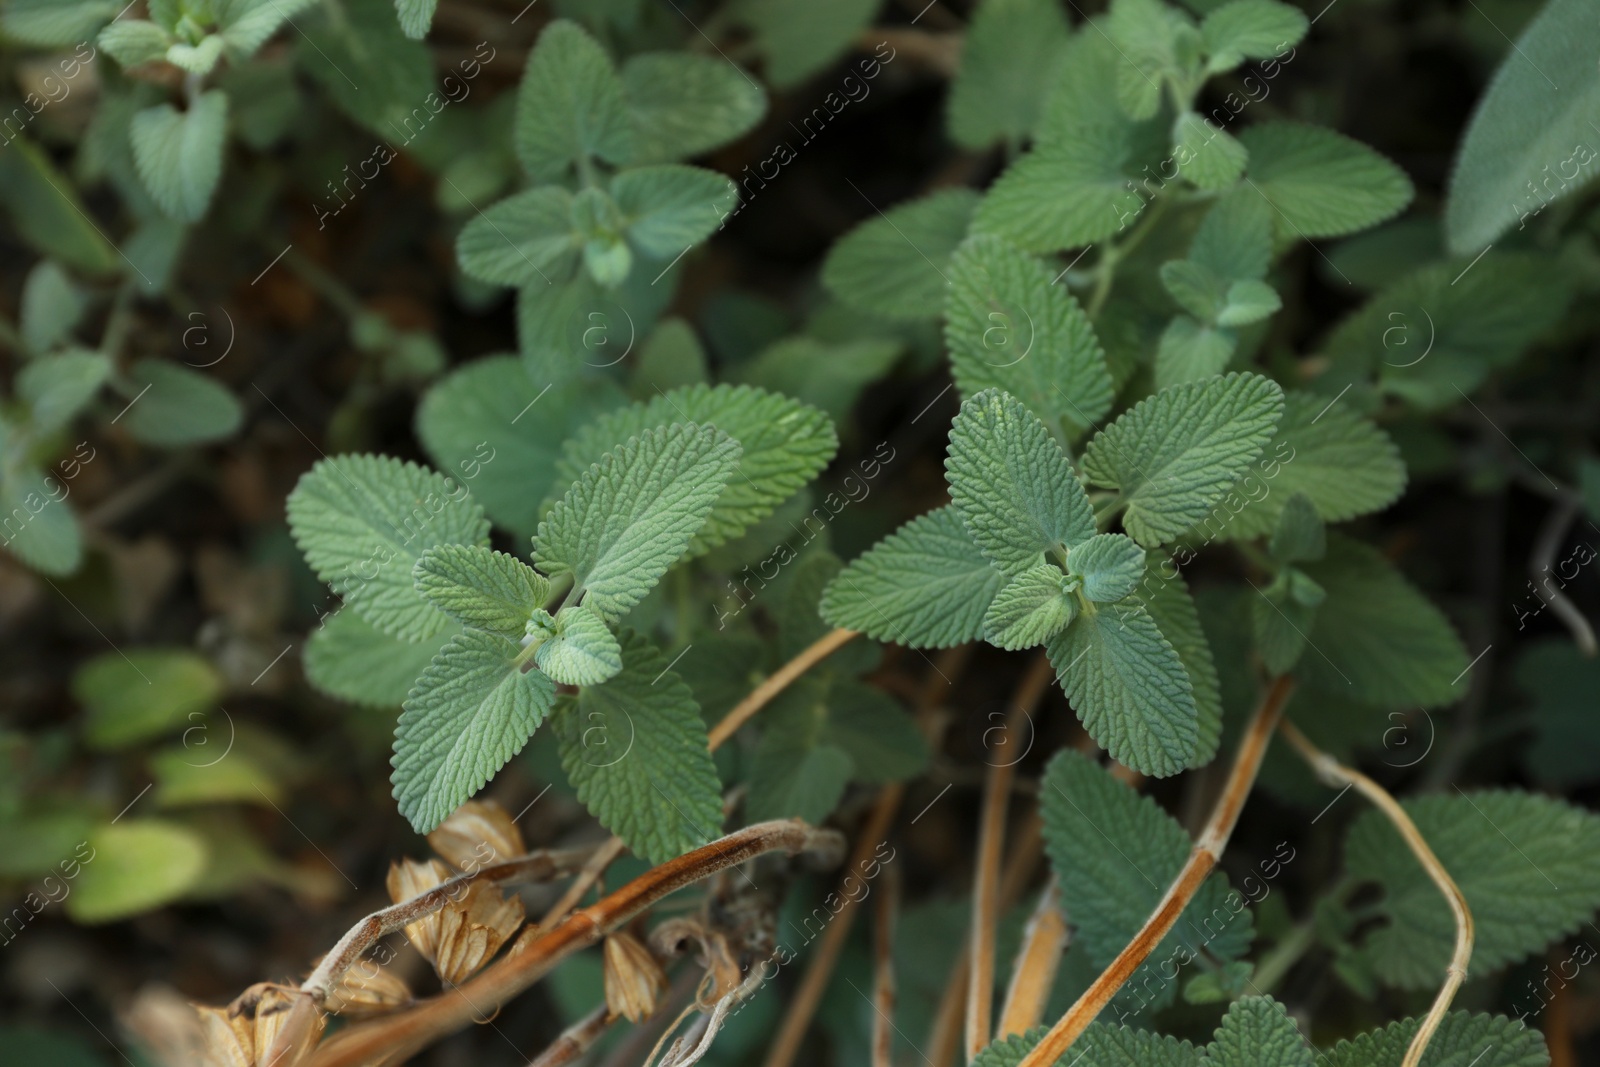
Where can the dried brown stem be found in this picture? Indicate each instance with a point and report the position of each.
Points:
(575, 1040)
(535, 867)
(818, 651)
(883, 970)
(596, 866)
(1335, 773)
(1202, 860)
(1043, 942)
(1003, 759)
(535, 954)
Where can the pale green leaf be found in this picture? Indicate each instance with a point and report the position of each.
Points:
(198, 59)
(1247, 302)
(179, 154)
(1528, 143)
(57, 388)
(56, 23)
(134, 41)
(52, 307)
(880, 737)
(1463, 1039)
(1300, 533)
(416, 16)
(570, 106)
(247, 24)
(784, 445)
(178, 406)
(672, 358)
(185, 777)
(1011, 50)
(1030, 609)
(635, 751)
(1165, 596)
(526, 239)
(371, 71)
(1069, 192)
(1009, 327)
(897, 264)
(349, 658)
(1198, 289)
(1101, 1045)
(135, 866)
(926, 585)
(1235, 238)
(1258, 1032)
(143, 694)
(682, 104)
(1321, 183)
(632, 515)
(470, 712)
(800, 37)
(480, 588)
(1281, 621)
(798, 773)
(1176, 453)
(1110, 566)
(1250, 29)
(1206, 154)
(37, 525)
(827, 374)
(1014, 490)
(1147, 34)
(363, 522)
(47, 212)
(581, 651)
(1190, 350)
(1528, 865)
(669, 208)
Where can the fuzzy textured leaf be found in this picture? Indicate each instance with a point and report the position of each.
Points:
(349, 658)
(682, 104)
(1464, 1039)
(1030, 609)
(179, 154)
(571, 105)
(583, 650)
(896, 264)
(480, 588)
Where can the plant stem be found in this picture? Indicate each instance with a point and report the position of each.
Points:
(1335, 773)
(883, 970)
(1106, 269)
(991, 837)
(575, 1040)
(819, 650)
(1043, 942)
(1202, 861)
(536, 953)
(1284, 955)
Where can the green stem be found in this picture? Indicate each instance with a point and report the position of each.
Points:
(119, 322)
(324, 284)
(1284, 955)
(1106, 269)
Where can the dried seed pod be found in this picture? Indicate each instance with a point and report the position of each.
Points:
(478, 834)
(246, 1032)
(461, 937)
(368, 989)
(633, 977)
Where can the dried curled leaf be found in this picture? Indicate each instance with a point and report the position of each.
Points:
(633, 978)
(467, 932)
(476, 835)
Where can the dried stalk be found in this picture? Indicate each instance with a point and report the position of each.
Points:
(1034, 973)
(537, 953)
(991, 837)
(883, 971)
(596, 866)
(818, 651)
(535, 867)
(1336, 774)
(575, 1040)
(1202, 860)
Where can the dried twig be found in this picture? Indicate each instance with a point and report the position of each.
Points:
(991, 835)
(596, 866)
(883, 971)
(575, 1040)
(1037, 961)
(535, 867)
(818, 651)
(1202, 860)
(1335, 773)
(536, 953)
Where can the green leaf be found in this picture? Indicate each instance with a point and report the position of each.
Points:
(1235, 238)
(1257, 1031)
(134, 867)
(635, 751)
(926, 585)
(134, 41)
(185, 778)
(177, 406)
(798, 773)
(39, 527)
(247, 24)
(52, 307)
(672, 358)
(1110, 565)
(571, 106)
(1176, 453)
(1377, 639)
(1165, 596)
(1281, 619)
(630, 516)
(1198, 289)
(1009, 327)
(56, 23)
(1560, 680)
(1247, 302)
(1068, 192)
(1011, 49)
(196, 59)
(364, 521)
(669, 209)
(179, 154)
(371, 71)
(1528, 865)
(1523, 132)
(1190, 351)
(1014, 490)
(1300, 533)
(470, 712)
(416, 17)
(1206, 154)
(1146, 33)
(1129, 688)
(58, 387)
(800, 37)
(1250, 29)
(581, 650)
(882, 740)
(493, 428)
(896, 264)
(143, 694)
(349, 658)
(48, 213)
(1030, 609)
(829, 375)
(480, 588)
(1331, 453)
(1115, 853)
(684, 105)
(525, 239)
(1101, 1045)
(1462, 1038)
(785, 444)
(1321, 183)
